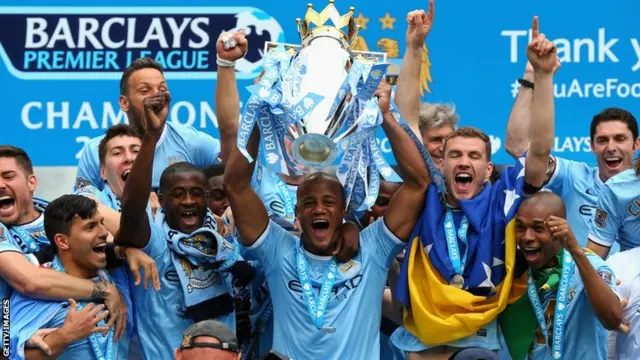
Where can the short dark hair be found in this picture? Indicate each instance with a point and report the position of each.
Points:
(20, 155)
(176, 169)
(113, 132)
(471, 132)
(137, 64)
(615, 114)
(214, 170)
(61, 212)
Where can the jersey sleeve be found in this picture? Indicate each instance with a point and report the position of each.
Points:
(272, 245)
(93, 191)
(157, 245)
(380, 243)
(88, 172)
(561, 177)
(626, 268)
(604, 271)
(205, 150)
(606, 221)
(6, 241)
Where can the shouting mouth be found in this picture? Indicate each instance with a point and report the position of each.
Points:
(100, 251)
(189, 218)
(531, 254)
(7, 204)
(612, 162)
(125, 175)
(463, 181)
(320, 228)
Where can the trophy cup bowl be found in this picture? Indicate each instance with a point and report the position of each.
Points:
(326, 69)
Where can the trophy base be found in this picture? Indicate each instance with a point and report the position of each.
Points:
(314, 151)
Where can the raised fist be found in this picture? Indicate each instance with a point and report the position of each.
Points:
(156, 110)
(232, 46)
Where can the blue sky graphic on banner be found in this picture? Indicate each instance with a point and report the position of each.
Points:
(61, 65)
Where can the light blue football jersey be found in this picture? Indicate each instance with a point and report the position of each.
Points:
(159, 315)
(584, 335)
(177, 143)
(579, 186)
(355, 304)
(617, 217)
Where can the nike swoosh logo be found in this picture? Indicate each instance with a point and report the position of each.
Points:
(589, 192)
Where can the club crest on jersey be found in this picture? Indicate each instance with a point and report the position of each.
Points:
(350, 268)
(199, 277)
(174, 160)
(2, 237)
(601, 218)
(606, 275)
(98, 43)
(82, 182)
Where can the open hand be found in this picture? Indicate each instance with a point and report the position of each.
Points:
(138, 259)
(420, 24)
(37, 340)
(232, 46)
(541, 52)
(80, 324)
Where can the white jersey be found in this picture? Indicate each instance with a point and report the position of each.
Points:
(626, 267)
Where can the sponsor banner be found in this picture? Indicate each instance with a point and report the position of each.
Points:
(60, 66)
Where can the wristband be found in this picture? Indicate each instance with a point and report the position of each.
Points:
(526, 83)
(224, 63)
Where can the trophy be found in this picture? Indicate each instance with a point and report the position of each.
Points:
(315, 108)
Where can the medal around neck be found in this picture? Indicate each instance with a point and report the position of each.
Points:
(315, 108)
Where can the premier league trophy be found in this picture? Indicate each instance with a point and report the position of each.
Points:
(315, 109)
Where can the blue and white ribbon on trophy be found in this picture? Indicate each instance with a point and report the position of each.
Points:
(276, 104)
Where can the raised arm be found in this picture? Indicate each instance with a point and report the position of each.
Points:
(249, 213)
(135, 229)
(604, 302)
(542, 55)
(407, 204)
(517, 141)
(406, 98)
(230, 47)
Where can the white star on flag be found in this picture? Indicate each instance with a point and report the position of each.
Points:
(487, 283)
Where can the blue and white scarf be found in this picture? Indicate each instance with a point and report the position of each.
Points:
(201, 259)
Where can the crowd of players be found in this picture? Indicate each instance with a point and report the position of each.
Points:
(169, 229)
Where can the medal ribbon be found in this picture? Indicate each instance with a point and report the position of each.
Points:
(317, 305)
(560, 316)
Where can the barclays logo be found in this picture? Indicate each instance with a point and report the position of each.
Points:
(89, 43)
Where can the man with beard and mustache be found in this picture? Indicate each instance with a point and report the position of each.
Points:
(457, 275)
(614, 140)
(79, 238)
(194, 261)
(143, 78)
(23, 244)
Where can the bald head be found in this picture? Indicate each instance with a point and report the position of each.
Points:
(321, 178)
(543, 204)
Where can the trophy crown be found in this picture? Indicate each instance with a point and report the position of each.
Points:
(322, 28)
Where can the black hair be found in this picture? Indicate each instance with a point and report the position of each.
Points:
(61, 213)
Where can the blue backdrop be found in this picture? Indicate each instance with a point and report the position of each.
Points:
(61, 65)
